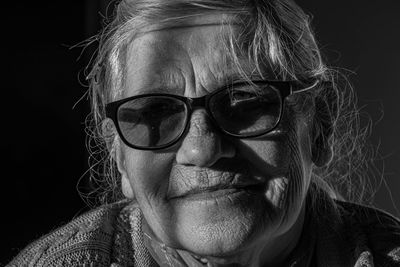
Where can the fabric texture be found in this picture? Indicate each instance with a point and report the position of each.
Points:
(335, 234)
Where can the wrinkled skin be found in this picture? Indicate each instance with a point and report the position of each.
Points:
(250, 229)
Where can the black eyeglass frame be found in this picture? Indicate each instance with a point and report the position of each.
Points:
(285, 89)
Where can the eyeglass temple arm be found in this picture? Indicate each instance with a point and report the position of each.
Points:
(304, 89)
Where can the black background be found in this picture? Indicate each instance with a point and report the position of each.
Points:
(42, 135)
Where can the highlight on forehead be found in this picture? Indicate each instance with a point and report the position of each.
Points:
(157, 59)
(275, 35)
(232, 62)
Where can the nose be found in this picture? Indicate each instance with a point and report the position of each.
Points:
(203, 145)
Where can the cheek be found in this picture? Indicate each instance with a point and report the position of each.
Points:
(284, 161)
(148, 173)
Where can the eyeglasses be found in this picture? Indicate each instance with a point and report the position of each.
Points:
(241, 110)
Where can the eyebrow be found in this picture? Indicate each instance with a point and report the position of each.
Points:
(174, 87)
(232, 74)
(236, 78)
(169, 81)
(167, 88)
(173, 80)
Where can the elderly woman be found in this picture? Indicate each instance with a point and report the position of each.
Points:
(229, 137)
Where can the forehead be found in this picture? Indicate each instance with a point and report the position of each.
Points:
(181, 60)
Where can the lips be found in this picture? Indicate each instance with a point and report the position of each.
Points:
(187, 181)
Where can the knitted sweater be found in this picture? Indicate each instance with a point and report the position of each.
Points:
(337, 234)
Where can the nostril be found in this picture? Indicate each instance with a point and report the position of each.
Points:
(202, 146)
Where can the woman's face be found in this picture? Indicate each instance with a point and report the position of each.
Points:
(209, 193)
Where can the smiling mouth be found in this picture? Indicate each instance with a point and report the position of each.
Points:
(216, 192)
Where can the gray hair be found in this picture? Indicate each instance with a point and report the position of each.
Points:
(275, 34)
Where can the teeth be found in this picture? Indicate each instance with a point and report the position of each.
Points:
(204, 260)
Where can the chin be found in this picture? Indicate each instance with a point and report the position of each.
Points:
(222, 226)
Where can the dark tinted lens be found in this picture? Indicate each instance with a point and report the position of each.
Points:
(152, 121)
(247, 110)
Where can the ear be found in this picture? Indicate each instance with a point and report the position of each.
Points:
(324, 122)
(321, 151)
(114, 148)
